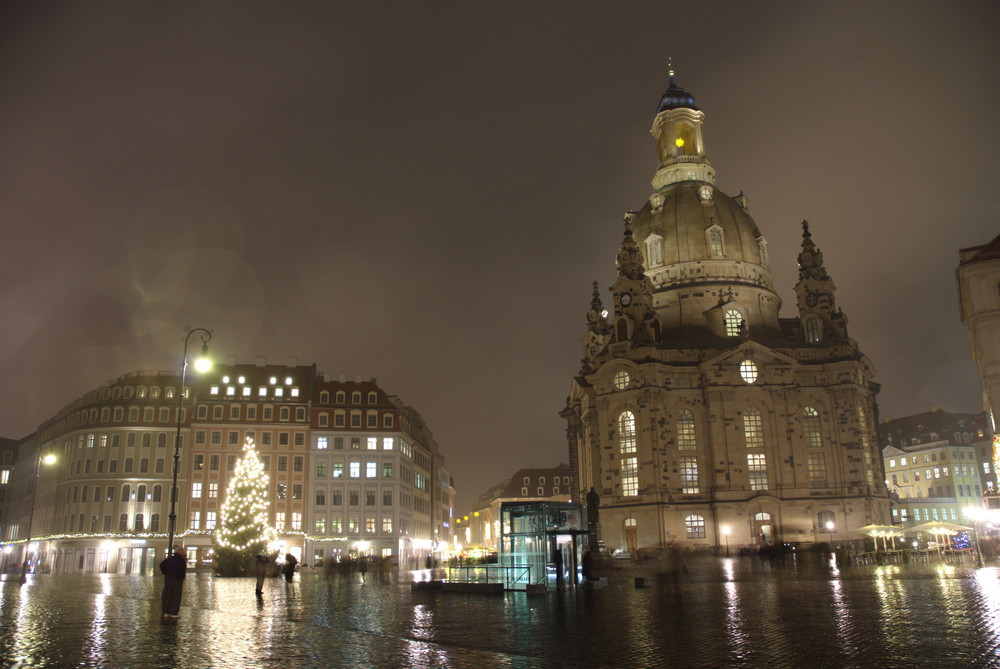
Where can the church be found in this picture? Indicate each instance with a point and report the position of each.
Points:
(699, 415)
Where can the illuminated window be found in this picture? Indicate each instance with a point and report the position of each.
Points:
(210, 520)
(812, 331)
(281, 491)
(386, 524)
(757, 467)
(372, 443)
(296, 520)
(695, 526)
(734, 322)
(321, 443)
(370, 524)
(630, 477)
(371, 470)
(688, 466)
(279, 521)
(626, 432)
(748, 371)
(319, 526)
(352, 525)
(195, 520)
(195, 490)
(387, 470)
(355, 470)
(321, 470)
(810, 426)
(621, 379)
(338, 470)
(213, 490)
(753, 428)
(826, 521)
(817, 468)
(336, 525)
(387, 443)
(685, 431)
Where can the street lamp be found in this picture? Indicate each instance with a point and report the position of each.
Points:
(976, 513)
(47, 459)
(202, 364)
(725, 533)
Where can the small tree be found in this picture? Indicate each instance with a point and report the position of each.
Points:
(243, 532)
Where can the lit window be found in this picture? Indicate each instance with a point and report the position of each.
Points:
(626, 432)
(210, 520)
(685, 431)
(213, 490)
(321, 443)
(753, 428)
(695, 526)
(812, 331)
(748, 371)
(195, 490)
(387, 524)
(621, 379)
(372, 443)
(630, 477)
(338, 470)
(817, 468)
(757, 466)
(371, 470)
(279, 521)
(320, 526)
(296, 520)
(733, 322)
(688, 466)
(810, 425)
(387, 443)
(355, 470)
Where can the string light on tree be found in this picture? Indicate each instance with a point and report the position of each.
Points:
(243, 530)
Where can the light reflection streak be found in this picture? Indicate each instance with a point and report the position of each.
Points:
(841, 615)
(735, 625)
(988, 580)
(97, 636)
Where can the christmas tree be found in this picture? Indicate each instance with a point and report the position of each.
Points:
(243, 532)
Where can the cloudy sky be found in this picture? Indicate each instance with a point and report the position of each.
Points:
(423, 192)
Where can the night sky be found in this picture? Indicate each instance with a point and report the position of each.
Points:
(424, 192)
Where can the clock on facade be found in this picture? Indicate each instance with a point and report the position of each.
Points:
(626, 299)
(812, 299)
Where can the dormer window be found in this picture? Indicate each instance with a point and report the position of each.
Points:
(715, 238)
(813, 331)
(734, 322)
(654, 251)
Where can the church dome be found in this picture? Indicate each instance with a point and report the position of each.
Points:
(675, 97)
(684, 215)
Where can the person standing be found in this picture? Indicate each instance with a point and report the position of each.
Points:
(262, 566)
(174, 569)
(290, 562)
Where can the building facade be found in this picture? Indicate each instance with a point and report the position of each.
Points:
(104, 504)
(481, 526)
(938, 465)
(979, 295)
(699, 413)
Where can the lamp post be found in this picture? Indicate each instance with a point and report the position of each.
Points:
(47, 459)
(202, 365)
(976, 513)
(725, 533)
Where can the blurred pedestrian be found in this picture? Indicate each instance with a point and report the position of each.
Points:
(174, 569)
(290, 563)
(363, 567)
(262, 566)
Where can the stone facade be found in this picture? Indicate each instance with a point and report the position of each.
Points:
(699, 415)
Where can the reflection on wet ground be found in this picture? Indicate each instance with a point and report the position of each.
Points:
(726, 613)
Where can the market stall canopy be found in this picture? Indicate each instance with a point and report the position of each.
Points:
(939, 527)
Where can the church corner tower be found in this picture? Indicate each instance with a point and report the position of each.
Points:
(699, 415)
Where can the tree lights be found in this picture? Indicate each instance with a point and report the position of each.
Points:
(243, 530)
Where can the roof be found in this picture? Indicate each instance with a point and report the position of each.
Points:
(973, 254)
(675, 97)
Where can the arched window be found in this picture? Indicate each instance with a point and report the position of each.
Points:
(130, 440)
(139, 525)
(161, 440)
(753, 428)
(157, 493)
(144, 466)
(654, 251)
(126, 492)
(626, 432)
(813, 331)
(810, 427)
(324, 397)
(123, 523)
(695, 526)
(686, 437)
(147, 439)
(826, 521)
(141, 492)
(154, 523)
(716, 241)
(734, 322)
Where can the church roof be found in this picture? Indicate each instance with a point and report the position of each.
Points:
(675, 97)
(989, 251)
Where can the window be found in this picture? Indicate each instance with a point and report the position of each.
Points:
(757, 467)
(338, 470)
(386, 498)
(355, 419)
(654, 251)
(372, 398)
(320, 498)
(685, 431)
(813, 332)
(297, 491)
(355, 470)
(353, 498)
(324, 419)
(210, 520)
(319, 525)
(279, 521)
(336, 498)
(213, 463)
(695, 526)
(387, 470)
(297, 463)
(626, 432)
(123, 523)
(352, 525)
(321, 443)
(283, 439)
(338, 419)
(371, 469)
(369, 498)
(817, 468)
(336, 525)
(126, 492)
(372, 419)
(355, 443)
(386, 524)
(715, 242)
(753, 428)
(230, 463)
(282, 491)
(321, 468)
(733, 322)
(826, 521)
(748, 371)
(387, 443)
(630, 477)
(688, 466)
(282, 463)
(370, 525)
(196, 491)
(154, 522)
(216, 437)
(234, 437)
(810, 427)
(355, 397)
(195, 523)
(296, 520)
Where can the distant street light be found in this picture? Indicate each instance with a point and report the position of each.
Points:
(47, 459)
(725, 533)
(202, 364)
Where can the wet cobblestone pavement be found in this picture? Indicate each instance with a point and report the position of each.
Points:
(730, 613)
